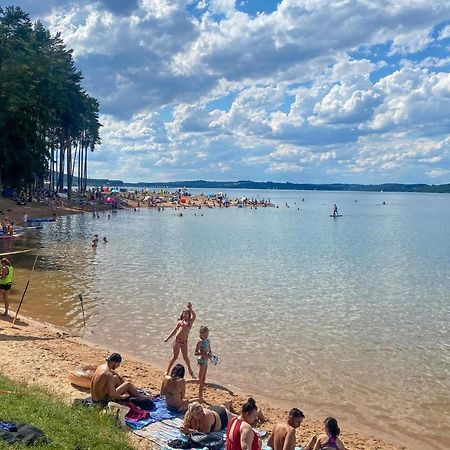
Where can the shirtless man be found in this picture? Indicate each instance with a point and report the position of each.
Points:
(107, 385)
(283, 434)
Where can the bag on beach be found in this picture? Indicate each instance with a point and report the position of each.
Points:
(179, 443)
(146, 404)
(209, 440)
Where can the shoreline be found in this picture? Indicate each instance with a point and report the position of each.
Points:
(42, 354)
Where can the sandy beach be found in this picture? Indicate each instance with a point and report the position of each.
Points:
(41, 354)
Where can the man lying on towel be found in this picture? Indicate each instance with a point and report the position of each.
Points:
(108, 386)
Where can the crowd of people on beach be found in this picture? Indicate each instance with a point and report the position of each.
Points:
(107, 385)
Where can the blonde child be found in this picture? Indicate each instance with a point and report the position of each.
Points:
(203, 351)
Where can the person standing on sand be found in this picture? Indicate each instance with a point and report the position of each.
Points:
(283, 434)
(203, 351)
(107, 385)
(6, 282)
(181, 333)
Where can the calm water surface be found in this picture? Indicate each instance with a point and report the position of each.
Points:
(347, 316)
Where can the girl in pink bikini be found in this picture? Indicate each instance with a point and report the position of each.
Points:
(181, 332)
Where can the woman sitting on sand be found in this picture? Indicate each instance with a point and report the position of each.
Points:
(181, 332)
(206, 420)
(174, 388)
(329, 440)
(240, 434)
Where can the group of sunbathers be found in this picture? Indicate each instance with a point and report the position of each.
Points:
(107, 385)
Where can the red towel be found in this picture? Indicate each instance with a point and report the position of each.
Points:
(135, 413)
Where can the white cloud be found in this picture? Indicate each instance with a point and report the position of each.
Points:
(445, 32)
(226, 7)
(436, 173)
(284, 167)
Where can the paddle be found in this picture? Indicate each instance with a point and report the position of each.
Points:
(25, 291)
(16, 252)
(82, 309)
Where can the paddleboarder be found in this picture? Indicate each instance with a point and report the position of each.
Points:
(335, 210)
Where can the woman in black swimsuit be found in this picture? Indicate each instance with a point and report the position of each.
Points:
(206, 420)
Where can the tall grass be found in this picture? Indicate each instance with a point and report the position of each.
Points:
(66, 427)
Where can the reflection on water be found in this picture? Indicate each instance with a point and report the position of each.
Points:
(343, 316)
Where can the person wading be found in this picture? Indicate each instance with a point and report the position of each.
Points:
(6, 282)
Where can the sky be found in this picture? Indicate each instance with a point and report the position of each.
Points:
(307, 91)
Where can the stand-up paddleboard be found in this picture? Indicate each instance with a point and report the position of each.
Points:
(35, 219)
(12, 236)
(335, 215)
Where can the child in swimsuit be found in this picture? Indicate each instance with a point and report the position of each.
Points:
(203, 351)
(181, 333)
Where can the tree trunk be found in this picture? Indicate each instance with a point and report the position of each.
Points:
(61, 162)
(69, 164)
(85, 166)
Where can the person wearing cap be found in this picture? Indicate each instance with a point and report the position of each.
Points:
(107, 385)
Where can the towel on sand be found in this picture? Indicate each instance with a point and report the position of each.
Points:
(160, 413)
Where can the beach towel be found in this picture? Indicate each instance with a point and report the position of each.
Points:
(160, 434)
(135, 414)
(168, 431)
(160, 413)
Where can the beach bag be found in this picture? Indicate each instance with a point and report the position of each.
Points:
(211, 441)
(179, 443)
(146, 404)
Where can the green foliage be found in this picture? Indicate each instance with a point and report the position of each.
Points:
(42, 103)
(66, 427)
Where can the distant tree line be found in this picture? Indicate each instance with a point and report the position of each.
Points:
(48, 122)
(202, 184)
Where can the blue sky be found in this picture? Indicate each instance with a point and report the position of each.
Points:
(309, 91)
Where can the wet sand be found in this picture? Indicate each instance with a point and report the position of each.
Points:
(41, 354)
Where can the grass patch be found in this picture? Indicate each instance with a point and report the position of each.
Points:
(67, 427)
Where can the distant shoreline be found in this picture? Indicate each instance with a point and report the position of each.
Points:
(202, 184)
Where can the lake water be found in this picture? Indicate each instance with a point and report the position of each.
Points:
(346, 317)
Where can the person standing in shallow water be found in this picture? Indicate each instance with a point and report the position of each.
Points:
(6, 282)
(181, 333)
